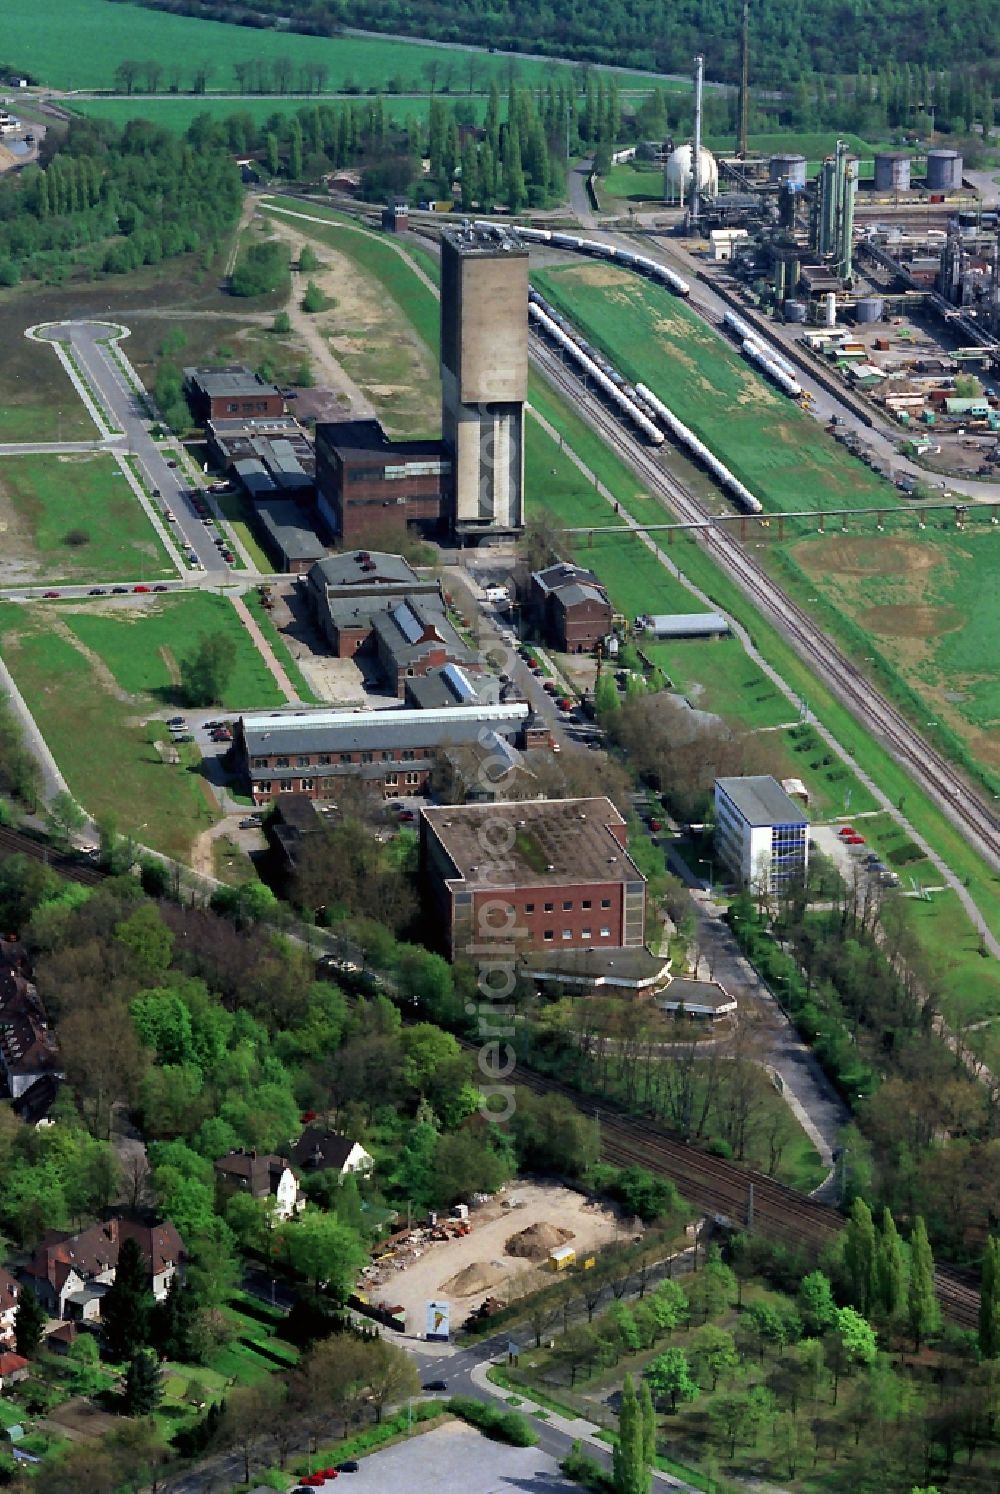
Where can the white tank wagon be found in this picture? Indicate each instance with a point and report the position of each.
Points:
(596, 249)
(585, 362)
(762, 357)
(687, 438)
(746, 333)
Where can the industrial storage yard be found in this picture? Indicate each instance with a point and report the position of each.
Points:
(468, 1269)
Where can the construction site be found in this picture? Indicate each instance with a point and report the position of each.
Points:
(489, 1252)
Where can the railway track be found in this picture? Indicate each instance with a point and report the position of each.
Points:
(14, 843)
(718, 1187)
(889, 726)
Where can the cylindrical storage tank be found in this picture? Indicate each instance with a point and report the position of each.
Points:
(944, 170)
(869, 309)
(788, 168)
(795, 311)
(892, 171)
(830, 310)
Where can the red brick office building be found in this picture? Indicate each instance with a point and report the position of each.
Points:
(571, 607)
(561, 866)
(230, 393)
(370, 489)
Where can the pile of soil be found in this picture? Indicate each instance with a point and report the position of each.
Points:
(535, 1242)
(472, 1280)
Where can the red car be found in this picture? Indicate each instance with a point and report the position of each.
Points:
(846, 830)
(140, 588)
(854, 840)
(50, 593)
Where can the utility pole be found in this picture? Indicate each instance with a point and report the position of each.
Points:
(749, 1208)
(699, 77)
(741, 144)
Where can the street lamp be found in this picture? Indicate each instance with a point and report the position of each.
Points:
(707, 861)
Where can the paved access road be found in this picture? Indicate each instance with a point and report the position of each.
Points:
(86, 341)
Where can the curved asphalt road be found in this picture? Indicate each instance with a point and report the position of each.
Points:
(127, 410)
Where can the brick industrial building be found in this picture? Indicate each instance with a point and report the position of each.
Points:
(484, 378)
(393, 751)
(227, 393)
(377, 602)
(571, 607)
(561, 865)
(370, 489)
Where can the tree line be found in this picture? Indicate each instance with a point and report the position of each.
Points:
(652, 34)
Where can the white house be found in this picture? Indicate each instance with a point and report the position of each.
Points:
(264, 1176)
(319, 1150)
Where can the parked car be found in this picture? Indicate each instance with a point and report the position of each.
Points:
(51, 593)
(184, 736)
(350, 1465)
(249, 824)
(176, 721)
(656, 826)
(549, 686)
(140, 588)
(435, 1385)
(97, 591)
(406, 815)
(119, 591)
(161, 586)
(171, 463)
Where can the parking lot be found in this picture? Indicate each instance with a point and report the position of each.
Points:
(454, 1459)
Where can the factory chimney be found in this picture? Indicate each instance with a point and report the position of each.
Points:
(699, 76)
(741, 143)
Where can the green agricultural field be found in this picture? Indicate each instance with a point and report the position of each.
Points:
(142, 646)
(48, 502)
(930, 601)
(176, 111)
(771, 445)
(80, 43)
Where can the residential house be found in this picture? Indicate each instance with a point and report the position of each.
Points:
(28, 1047)
(9, 1293)
(70, 1273)
(265, 1176)
(320, 1150)
(12, 1369)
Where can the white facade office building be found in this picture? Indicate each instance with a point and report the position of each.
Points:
(760, 832)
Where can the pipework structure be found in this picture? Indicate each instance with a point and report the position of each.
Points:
(699, 80)
(833, 230)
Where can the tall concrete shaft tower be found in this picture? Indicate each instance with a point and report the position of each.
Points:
(484, 378)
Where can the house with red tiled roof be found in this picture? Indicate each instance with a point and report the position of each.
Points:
(12, 1369)
(9, 1293)
(71, 1273)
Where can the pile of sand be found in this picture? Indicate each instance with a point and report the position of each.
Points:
(472, 1280)
(535, 1242)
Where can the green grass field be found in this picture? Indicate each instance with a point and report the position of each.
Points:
(45, 498)
(79, 44)
(142, 647)
(717, 674)
(763, 437)
(99, 741)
